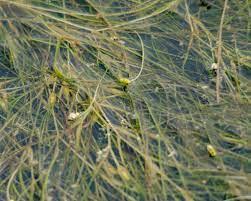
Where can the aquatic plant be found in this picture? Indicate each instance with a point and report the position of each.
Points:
(125, 100)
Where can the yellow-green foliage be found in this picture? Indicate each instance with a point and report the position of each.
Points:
(125, 100)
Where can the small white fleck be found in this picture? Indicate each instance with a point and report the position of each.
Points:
(214, 66)
(90, 64)
(73, 115)
(204, 87)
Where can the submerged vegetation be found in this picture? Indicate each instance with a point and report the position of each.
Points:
(125, 100)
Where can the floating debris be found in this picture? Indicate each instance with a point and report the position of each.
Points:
(204, 87)
(114, 38)
(211, 150)
(102, 154)
(73, 115)
(214, 66)
(99, 155)
(124, 81)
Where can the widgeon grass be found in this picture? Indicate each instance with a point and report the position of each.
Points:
(119, 100)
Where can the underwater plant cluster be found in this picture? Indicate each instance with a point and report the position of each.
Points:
(125, 100)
